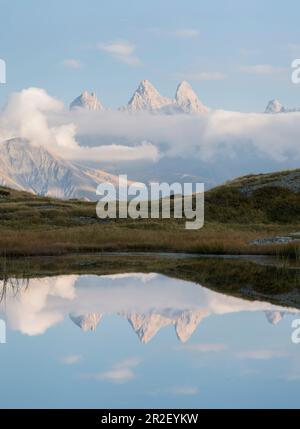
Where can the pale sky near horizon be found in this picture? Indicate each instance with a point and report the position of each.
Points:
(235, 53)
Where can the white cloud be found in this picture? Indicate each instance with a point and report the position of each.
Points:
(203, 76)
(205, 348)
(28, 113)
(206, 137)
(262, 69)
(120, 373)
(71, 359)
(180, 33)
(72, 63)
(122, 50)
(30, 313)
(32, 114)
(260, 354)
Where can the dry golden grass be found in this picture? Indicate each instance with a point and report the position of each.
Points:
(124, 236)
(31, 225)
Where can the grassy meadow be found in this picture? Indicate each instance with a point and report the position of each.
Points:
(33, 225)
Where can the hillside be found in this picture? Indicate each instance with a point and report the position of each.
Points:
(262, 198)
(236, 213)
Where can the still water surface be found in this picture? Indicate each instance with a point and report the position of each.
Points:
(143, 340)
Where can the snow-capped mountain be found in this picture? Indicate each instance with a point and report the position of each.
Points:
(147, 98)
(274, 317)
(87, 101)
(188, 322)
(275, 106)
(86, 322)
(187, 100)
(26, 167)
(147, 325)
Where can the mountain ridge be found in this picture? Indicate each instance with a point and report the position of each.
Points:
(147, 98)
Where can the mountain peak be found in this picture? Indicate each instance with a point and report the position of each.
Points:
(188, 322)
(274, 317)
(187, 99)
(146, 85)
(274, 106)
(88, 101)
(184, 85)
(146, 97)
(86, 322)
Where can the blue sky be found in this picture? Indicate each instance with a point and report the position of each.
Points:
(242, 50)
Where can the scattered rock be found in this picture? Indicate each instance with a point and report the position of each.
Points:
(272, 240)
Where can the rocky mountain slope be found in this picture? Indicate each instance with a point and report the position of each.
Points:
(289, 180)
(26, 167)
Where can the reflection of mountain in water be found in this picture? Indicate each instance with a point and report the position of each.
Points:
(86, 322)
(147, 325)
(149, 302)
(275, 317)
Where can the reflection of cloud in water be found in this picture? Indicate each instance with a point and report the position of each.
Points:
(148, 301)
(34, 309)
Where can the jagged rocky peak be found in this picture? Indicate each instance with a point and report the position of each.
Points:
(187, 100)
(274, 106)
(87, 322)
(146, 97)
(188, 322)
(147, 325)
(88, 101)
(274, 317)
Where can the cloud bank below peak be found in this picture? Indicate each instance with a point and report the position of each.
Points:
(34, 115)
(116, 136)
